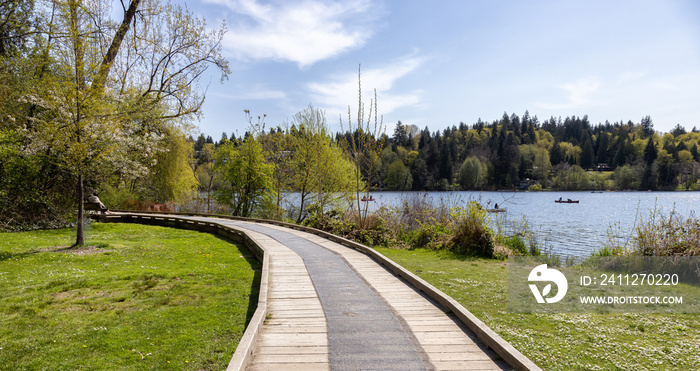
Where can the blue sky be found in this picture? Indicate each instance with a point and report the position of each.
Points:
(439, 63)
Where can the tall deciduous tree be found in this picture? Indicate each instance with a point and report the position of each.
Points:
(542, 165)
(206, 177)
(308, 135)
(247, 174)
(472, 173)
(335, 177)
(100, 75)
(276, 144)
(173, 177)
(321, 173)
(398, 177)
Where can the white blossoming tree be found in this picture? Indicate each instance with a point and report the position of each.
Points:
(113, 91)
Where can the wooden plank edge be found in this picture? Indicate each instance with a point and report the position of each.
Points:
(246, 347)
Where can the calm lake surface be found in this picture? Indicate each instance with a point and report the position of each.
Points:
(568, 229)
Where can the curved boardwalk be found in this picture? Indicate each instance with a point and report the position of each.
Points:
(333, 307)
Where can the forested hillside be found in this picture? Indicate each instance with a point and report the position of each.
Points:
(523, 153)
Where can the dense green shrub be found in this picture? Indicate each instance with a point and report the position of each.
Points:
(535, 187)
(431, 235)
(472, 235)
(344, 224)
(34, 194)
(517, 245)
(325, 221)
(608, 251)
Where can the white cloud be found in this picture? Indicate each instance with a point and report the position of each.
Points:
(255, 92)
(579, 94)
(303, 32)
(340, 92)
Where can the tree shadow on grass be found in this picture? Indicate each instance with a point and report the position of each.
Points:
(82, 250)
(256, 267)
(4, 256)
(253, 298)
(255, 264)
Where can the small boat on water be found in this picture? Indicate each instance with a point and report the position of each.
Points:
(567, 201)
(365, 199)
(496, 210)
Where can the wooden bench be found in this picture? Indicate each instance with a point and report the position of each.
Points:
(91, 206)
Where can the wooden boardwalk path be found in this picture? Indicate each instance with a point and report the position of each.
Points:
(333, 307)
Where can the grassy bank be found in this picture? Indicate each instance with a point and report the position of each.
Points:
(138, 298)
(559, 341)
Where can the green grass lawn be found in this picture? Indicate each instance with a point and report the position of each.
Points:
(560, 341)
(140, 297)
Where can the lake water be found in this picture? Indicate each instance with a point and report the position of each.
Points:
(569, 229)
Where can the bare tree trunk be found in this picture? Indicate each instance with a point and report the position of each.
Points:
(357, 189)
(278, 213)
(79, 53)
(80, 237)
(301, 204)
(209, 189)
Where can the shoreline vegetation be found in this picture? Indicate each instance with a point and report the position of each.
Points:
(466, 228)
(657, 234)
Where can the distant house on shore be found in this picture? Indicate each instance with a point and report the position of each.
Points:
(602, 166)
(524, 184)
